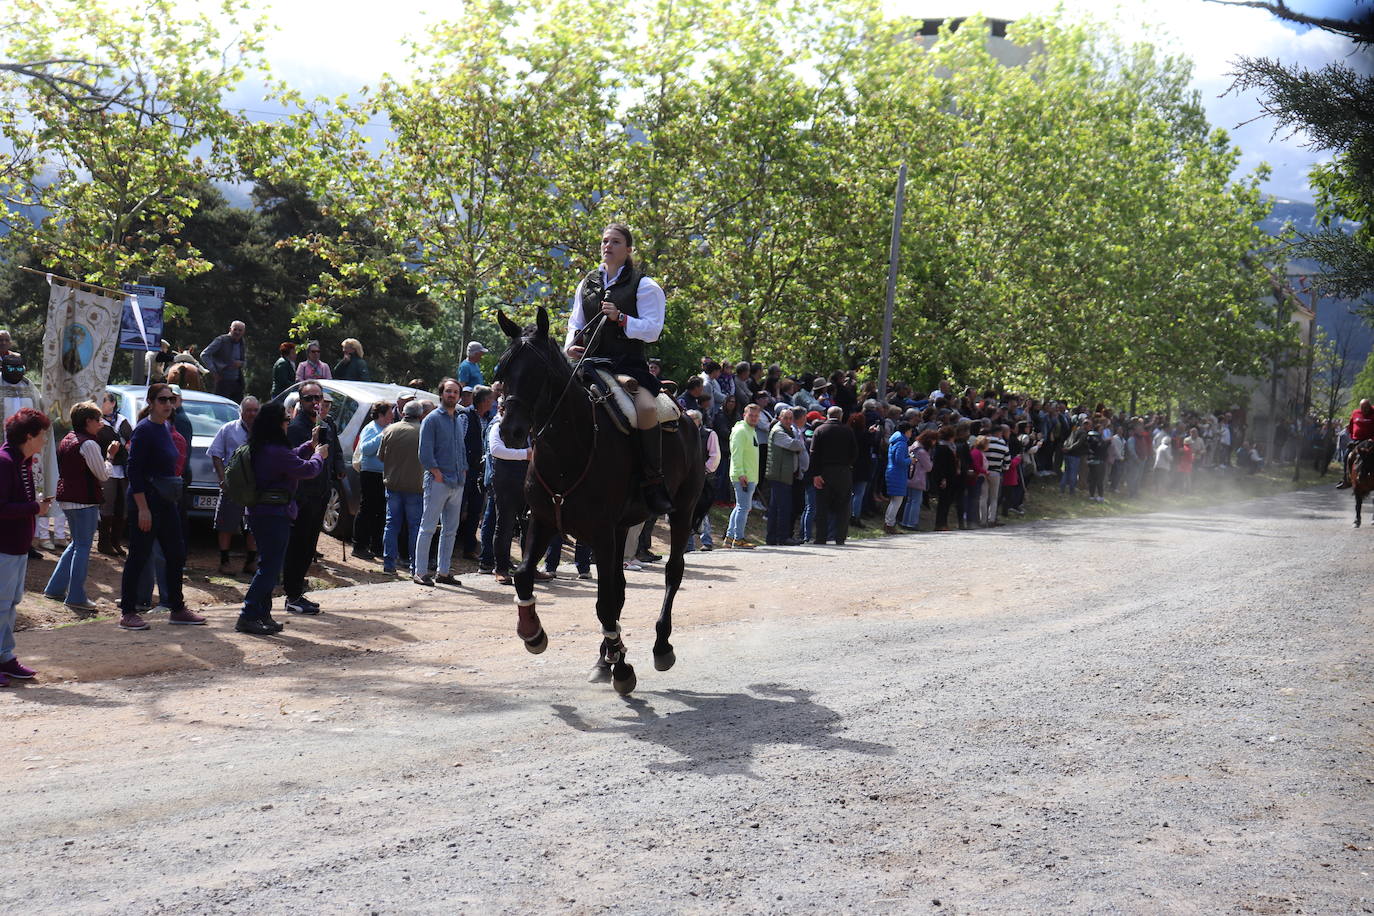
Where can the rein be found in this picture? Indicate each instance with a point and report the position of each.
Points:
(556, 497)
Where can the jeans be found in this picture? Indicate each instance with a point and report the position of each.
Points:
(971, 506)
(779, 512)
(744, 500)
(13, 566)
(857, 500)
(403, 510)
(808, 518)
(911, 509)
(1069, 482)
(441, 503)
(68, 581)
(487, 560)
(166, 533)
(272, 533)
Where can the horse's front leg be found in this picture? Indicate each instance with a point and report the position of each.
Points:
(538, 535)
(610, 665)
(1359, 501)
(679, 531)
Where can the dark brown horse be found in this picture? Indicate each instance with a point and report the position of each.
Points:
(1362, 473)
(584, 482)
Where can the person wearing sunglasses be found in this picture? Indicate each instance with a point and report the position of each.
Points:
(155, 490)
(312, 367)
(312, 495)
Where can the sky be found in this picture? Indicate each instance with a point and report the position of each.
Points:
(330, 47)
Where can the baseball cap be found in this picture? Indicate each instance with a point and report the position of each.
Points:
(475, 346)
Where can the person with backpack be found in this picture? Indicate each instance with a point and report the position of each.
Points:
(262, 476)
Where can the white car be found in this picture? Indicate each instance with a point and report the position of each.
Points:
(351, 402)
(207, 413)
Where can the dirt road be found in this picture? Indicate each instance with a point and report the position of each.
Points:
(1166, 713)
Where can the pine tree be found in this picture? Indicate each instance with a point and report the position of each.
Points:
(1334, 106)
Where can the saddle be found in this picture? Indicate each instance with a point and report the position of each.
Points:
(618, 392)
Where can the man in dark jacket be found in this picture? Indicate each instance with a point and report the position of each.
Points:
(226, 356)
(312, 494)
(833, 448)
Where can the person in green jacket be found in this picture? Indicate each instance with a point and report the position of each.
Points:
(284, 370)
(744, 474)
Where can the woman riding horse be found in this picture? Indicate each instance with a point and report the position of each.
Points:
(616, 311)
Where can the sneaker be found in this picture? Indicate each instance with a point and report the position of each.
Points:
(47, 544)
(132, 622)
(84, 607)
(632, 566)
(648, 557)
(743, 544)
(389, 570)
(584, 575)
(13, 668)
(142, 608)
(486, 570)
(183, 617)
(4, 680)
(543, 575)
(708, 547)
(447, 579)
(426, 580)
(727, 543)
(301, 605)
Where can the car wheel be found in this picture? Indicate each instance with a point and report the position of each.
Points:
(337, 520)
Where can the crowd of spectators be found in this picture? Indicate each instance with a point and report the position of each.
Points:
(818, 454)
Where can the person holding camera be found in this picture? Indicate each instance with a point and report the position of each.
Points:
(312, 494)
(278, 470)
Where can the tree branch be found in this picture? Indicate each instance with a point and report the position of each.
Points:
(1359, 29)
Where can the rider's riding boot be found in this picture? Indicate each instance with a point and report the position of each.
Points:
(651, 454)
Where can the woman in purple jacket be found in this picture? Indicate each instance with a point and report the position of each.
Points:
(277, 467)
(25, 433)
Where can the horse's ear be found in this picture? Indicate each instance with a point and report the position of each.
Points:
(511, 329)
(541, 322)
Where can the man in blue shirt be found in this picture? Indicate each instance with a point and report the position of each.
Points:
(470, 369)
(443, 455)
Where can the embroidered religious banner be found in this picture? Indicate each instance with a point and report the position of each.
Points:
(78, 345)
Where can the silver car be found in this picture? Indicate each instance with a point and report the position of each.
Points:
(351, 402)
(207, 413)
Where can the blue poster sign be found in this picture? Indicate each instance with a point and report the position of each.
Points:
(140, 326)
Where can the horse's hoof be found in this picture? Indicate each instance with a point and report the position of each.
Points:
(665, 661)
(625, 685)
(538, 644)
(600, 673)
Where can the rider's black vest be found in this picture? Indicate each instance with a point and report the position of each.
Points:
(624, 293)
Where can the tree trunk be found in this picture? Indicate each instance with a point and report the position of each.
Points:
(469, 313)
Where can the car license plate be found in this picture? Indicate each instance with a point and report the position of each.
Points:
(206, 502)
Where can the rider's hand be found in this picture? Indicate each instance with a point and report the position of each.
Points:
(576, 352)
(610, 311)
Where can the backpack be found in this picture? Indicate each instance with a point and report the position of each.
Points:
(241, 486)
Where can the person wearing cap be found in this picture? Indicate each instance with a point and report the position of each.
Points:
(617, 311)
(312, 367)
(470, 369)
(352, 367)
(403, 477)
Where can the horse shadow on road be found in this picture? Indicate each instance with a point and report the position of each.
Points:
(720, 734)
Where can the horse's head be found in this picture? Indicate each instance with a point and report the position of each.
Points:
(529, 372)
(1362, 465)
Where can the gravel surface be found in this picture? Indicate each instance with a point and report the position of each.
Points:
(1161, 713)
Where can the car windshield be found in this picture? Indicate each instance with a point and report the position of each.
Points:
(208, 416)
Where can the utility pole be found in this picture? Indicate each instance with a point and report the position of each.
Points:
(893, 257)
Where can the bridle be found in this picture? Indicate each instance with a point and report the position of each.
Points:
(536, 435)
